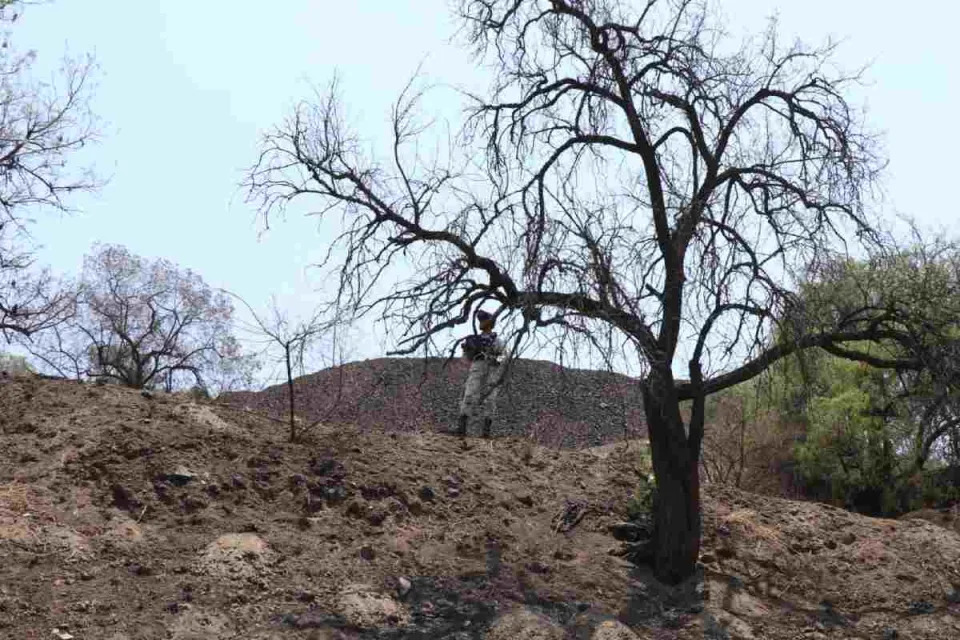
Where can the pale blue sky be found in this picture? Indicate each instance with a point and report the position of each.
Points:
(186, 87)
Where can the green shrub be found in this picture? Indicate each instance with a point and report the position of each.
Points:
(644, 496)
(14, 365)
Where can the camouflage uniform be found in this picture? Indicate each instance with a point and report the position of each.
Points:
(483, 381)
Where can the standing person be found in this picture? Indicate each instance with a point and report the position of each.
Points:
(483, 350)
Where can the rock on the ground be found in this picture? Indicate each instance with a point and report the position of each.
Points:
(180, 476)
(523, 624)
(629, 531)
(364, 607)
(613, 630)
(198, 624)
(236, 555)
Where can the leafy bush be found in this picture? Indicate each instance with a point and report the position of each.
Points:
(14, 364)
(640, 505)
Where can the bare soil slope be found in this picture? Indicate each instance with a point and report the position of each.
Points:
(553, 405)
(128, 517)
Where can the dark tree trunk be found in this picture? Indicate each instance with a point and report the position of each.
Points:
(293, 425)
(675, 463)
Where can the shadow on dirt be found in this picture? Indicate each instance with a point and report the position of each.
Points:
(466, 609)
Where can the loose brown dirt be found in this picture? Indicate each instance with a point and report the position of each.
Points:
(128, 517)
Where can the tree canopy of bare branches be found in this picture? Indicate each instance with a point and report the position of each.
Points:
(633, 178)
(274, 330)
(42, 127)
(145, 324)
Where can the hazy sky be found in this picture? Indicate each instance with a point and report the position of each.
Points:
(186, 88)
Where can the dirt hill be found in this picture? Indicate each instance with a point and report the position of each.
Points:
(556, 406)
(129, 517)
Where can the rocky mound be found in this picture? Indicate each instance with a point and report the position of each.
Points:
(125, 517)
(553, 405)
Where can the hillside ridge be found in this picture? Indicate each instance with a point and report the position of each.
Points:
(130, 516)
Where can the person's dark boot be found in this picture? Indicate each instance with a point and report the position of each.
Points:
(462, 427)
(486, 427)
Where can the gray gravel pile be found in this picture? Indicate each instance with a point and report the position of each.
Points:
(553, 405)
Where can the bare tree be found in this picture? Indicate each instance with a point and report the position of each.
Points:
(647, 188)
(42, 127)
(294, 340)
(31, 301)
(145, 324)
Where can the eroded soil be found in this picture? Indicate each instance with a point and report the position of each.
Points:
(124, 516)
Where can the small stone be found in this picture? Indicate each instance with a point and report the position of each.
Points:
(323, 467)
(376, 518)
(335, 494)
(526, 499)
(613, 630)
(921, 607)
(726, 552)
(63, 635)
(181, 476)
(403, 586)
(453, 481)
(848, 538)
(192, 504)
(125, 499)
(426, 493)
(830, 544)
(453, 492)
(367, 552)
(306, 596)
(629, 531)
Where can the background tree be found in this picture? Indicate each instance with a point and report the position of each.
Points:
(876, 440)
(293, 341)
(870, 432)
(13, 364)
(146, 324)
(42, 128)
(648, 186)
(748, 442)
